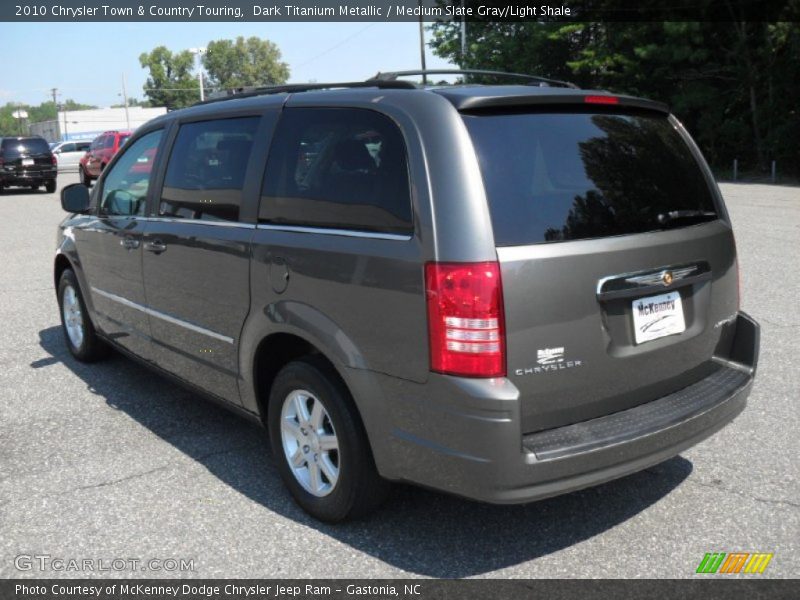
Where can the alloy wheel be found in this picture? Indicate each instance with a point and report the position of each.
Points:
(73, 316)
(309, 442)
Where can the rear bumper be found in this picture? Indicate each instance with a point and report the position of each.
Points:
(27, 177)
(464, 437)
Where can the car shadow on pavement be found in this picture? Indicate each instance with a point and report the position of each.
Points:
(418, 531)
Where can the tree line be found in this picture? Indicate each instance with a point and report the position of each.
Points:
(46, 111)
(172, 79)
(228, 64)
(734, 85)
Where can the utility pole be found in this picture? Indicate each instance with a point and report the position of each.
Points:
(55, 103)
(125, 100)
(463, 35)
(198, 52)
(422, 46)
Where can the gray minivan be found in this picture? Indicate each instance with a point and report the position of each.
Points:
(504, 292)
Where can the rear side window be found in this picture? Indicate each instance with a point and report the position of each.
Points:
(337, 168)
(123, 138)
(206, 170)
(555, 177)
(108, 142)
(12, 147)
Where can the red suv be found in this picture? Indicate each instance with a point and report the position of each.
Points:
(102, 150)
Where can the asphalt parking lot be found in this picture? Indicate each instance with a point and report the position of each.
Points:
(109, 461)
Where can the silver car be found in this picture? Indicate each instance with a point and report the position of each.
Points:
(68, 154)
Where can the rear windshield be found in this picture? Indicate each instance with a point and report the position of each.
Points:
(12, 147)
(555, 177)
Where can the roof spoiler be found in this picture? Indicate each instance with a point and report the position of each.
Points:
(587, 99)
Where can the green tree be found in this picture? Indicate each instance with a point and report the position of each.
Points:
(534, 48)
(244, 62)
(8, 124)
(171, 82)
(733, 84)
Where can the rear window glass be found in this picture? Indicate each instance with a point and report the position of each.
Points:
(206, 170)
(28, 146)
(555, 177)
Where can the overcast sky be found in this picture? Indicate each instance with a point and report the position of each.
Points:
(85, 61)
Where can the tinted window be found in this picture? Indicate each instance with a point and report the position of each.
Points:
(553, 177)
(108, 142)
(206, 170)
(123, 138)
(67, 148)
(12, 147)
(82, 146)
(126, 184)
(98, 142)
(337, 168)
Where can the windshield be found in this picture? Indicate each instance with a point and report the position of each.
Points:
(555, 177)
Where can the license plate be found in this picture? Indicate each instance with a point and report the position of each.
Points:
(27, 162)
(657, 316)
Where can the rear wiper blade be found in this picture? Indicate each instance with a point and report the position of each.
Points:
(676, 215)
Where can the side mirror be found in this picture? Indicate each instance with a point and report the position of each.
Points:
(75, 198)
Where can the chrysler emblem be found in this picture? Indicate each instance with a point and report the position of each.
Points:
(666, 278)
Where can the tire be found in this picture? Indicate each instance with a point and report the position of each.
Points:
(83, 177)
(357, 488)
(50, 186)
(79, 333)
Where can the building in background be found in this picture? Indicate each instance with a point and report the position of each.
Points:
(88, 124)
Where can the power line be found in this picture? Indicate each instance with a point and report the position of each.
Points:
(342, 43)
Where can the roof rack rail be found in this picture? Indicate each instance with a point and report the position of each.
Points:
(307, 87)
(393, 75)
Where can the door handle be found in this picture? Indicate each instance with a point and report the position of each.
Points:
(129, 243)
(156, 246)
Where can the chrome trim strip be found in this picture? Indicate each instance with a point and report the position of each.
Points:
(339, 232)
(650, 272)
(165, 317)
(199, 222)
(656, 278)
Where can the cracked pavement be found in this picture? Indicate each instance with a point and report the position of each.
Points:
(111, 461)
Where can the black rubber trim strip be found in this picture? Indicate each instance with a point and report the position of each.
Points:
(638, 421)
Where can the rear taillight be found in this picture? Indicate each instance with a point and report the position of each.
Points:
(465, 319)
(53, 158)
